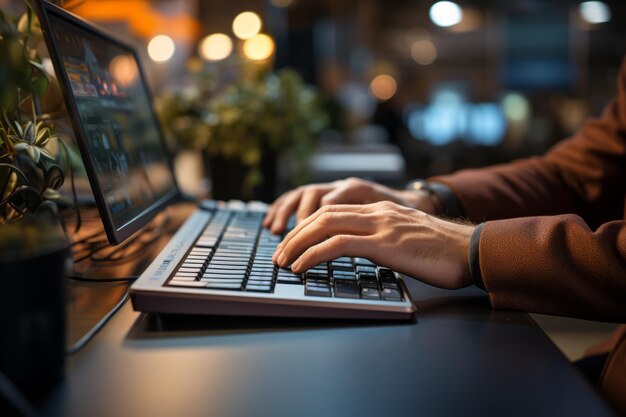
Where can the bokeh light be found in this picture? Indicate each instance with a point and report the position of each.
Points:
(516, 107)
(383, 87)
(215, 47)
(424, 52)
(259, 47)
(445, 13)
(595, 12)
(161, 48)
(124, 70)
(246, 25)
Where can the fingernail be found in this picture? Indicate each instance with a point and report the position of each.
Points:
(296, 266)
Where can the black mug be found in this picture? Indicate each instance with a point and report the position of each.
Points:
(32, 317)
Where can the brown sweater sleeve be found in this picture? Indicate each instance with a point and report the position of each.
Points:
(533, 258)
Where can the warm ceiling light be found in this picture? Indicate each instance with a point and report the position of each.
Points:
(258, 48)
(161, 48)
(383, 87)
(246, 25)
(445, 13)
(424, 52)
(281, 3)
(595, 12)
(215, 47)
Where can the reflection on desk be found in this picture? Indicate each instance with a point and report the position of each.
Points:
(459, 357)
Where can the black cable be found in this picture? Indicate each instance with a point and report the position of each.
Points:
(83, 278)
(83, 341)
(15, 397)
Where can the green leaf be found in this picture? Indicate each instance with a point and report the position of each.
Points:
(47, 206)
(57, 197)
(53, 174)
(26, 198)
(43, 136)
(33, 152)
(38, 65)
(28, 134)
(40, 85)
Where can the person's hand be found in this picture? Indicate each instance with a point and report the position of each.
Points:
(306, 199)
(403, 239)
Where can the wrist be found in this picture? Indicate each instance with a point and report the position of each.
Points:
(421, 196)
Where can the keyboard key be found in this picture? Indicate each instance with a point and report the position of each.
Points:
(347, 275)
(223, 280)
(317, 282)
(196, 258)
(260, 277)
(189, 264)
(259, 282)
(209, 275)
(341, 267)
(346, 289)
(368, 280)
(370, 293)
(259, 288)
(289, 280)
(391, 294)
(191, 270)
(193, 284)
(179, 277)
(363, 261)
(388, 279)
(367, 269)
(317, 291)
(316, 275)
(229, 264)
(346, 259)
(226, 272)
(224, 286)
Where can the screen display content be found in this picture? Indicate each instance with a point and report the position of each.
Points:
(117, 121)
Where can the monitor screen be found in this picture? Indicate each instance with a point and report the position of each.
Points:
(117, 125)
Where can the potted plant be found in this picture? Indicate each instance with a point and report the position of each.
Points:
(243, 125)
(30, 172)
(33, 248)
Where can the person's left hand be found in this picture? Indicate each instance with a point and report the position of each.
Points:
(405, 240)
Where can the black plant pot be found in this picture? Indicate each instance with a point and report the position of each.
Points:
(228, 178)
(32, 317)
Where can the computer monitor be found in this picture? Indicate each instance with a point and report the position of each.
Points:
(110, 106)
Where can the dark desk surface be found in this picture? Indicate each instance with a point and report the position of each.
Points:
(459, 358)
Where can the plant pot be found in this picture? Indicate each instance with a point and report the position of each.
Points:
(32, 316)
(228, 176)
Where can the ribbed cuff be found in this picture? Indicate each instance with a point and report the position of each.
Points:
(474, 259)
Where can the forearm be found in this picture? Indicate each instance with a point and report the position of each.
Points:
(555, 265)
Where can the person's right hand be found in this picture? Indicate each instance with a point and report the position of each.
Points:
(305, 200)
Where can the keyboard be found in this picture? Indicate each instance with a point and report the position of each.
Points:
(219, 262)
(235, 253)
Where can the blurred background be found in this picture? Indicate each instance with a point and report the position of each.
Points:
(411, 88)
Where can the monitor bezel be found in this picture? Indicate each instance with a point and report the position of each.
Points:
(115, 234)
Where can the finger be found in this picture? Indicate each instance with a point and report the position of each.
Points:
(271, 212)
(336, 208)
(309, 203)
(327, 225)
(335, 247)
(336, 196)
(286, 208)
